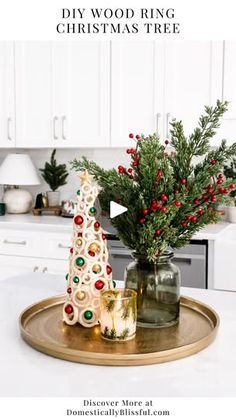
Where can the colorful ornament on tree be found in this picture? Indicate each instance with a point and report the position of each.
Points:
(89, 272)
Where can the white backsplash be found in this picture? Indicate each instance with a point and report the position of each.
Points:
(107, 158)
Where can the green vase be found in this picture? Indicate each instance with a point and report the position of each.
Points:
(158, 290)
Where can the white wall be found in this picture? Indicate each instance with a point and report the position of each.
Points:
(108, 158)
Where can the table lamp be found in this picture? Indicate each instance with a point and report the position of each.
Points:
(15, 170)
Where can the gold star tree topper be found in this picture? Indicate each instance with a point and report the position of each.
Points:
(85, 177)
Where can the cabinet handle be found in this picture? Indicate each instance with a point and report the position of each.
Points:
(63, 246)
(55, 136)
(63, 121)
(45, 269)
(22, 243)
(158, 115)
(9, 121)
(167, 124)
(36, 268)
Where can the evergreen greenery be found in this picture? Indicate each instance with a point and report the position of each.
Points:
(54, 174)
(230, 172)
(168, 197)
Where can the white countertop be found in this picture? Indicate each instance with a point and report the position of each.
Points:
(26, 372)
(50, 222)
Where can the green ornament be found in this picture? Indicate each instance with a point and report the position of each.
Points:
(76, 280)
(114, 284)
(78, 192)
(79, 261)
(88, 315)
(93, 210)
(67, 276)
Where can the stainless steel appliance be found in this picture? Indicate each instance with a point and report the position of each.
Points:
(191, 259)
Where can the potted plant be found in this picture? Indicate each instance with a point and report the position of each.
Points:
(168, 199)
(230, 172)
(55, 175)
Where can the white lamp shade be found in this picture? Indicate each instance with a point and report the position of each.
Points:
(18, 169)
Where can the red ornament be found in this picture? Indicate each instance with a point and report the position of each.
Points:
(96, 225)
(108, 269)
(213, 198)
(79, 235)
(78, 220)
(91, 253)
(69, 309)
(183, 182)
(213, 162)
(195, 201)
(158, 232)
(135, 163)
(231, 186)
(104, 237)
(177, 203)
(142, 221)
(166, 142)
(99, 285)
(69, 290)
(71, 250)
(163, 209)
(137, 137)
(131, 135)
(163, 197)
(145, 211)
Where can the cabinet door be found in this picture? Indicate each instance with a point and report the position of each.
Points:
(189, 82)
(17, 265)
(7, 104)
(81, 92)
(35, 125)
(135, 83)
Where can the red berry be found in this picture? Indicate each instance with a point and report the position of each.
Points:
(108, 269)
(176, 191)
(128, 151)
(195, 201)
(69, 290)
(163, 197)
(219, 181)
(213, 162)
(137, 137)
(121, 169)
(132, 150)
(183, 182)
(99, 285)
(159, 173)
(213, 198)
(209, 186)
(221, 176)
(131, 135)
(96, 225)
(222, 190)
(177, 203)
(232, 186)
(226, 190)
(69, 309)
(184, 225)
(189, 217)
(193, 219)
(78, 220)
(130, 170)
(136, 158)
(200, 212)
(186, 190)
(145, 211)
(135, 163)
(166, 142)
(158, 232)
(142, 221)
(163, 209)
(204, 197)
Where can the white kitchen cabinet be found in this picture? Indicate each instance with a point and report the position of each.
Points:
(136, 89)
(7, 96)
(62, 94)
(81, 93)
(192, 80)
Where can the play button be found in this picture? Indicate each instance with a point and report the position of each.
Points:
(116, 209)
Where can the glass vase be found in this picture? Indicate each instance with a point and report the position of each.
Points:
(158, 290)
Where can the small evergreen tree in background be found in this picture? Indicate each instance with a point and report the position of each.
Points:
(230, 172)
(168, 197)
(54, 174)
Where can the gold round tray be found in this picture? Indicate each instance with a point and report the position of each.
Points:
(42, 327)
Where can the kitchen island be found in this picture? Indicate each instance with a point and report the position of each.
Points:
(26, 372)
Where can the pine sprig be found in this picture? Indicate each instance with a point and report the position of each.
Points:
(54, 174)
(168, 198)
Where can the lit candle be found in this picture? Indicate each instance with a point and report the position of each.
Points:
(118, 314)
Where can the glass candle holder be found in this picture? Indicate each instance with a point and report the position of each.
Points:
(118, 314)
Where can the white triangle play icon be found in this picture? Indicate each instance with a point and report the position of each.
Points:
(116, 209)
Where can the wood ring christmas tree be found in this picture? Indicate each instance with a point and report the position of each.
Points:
(89, 271)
